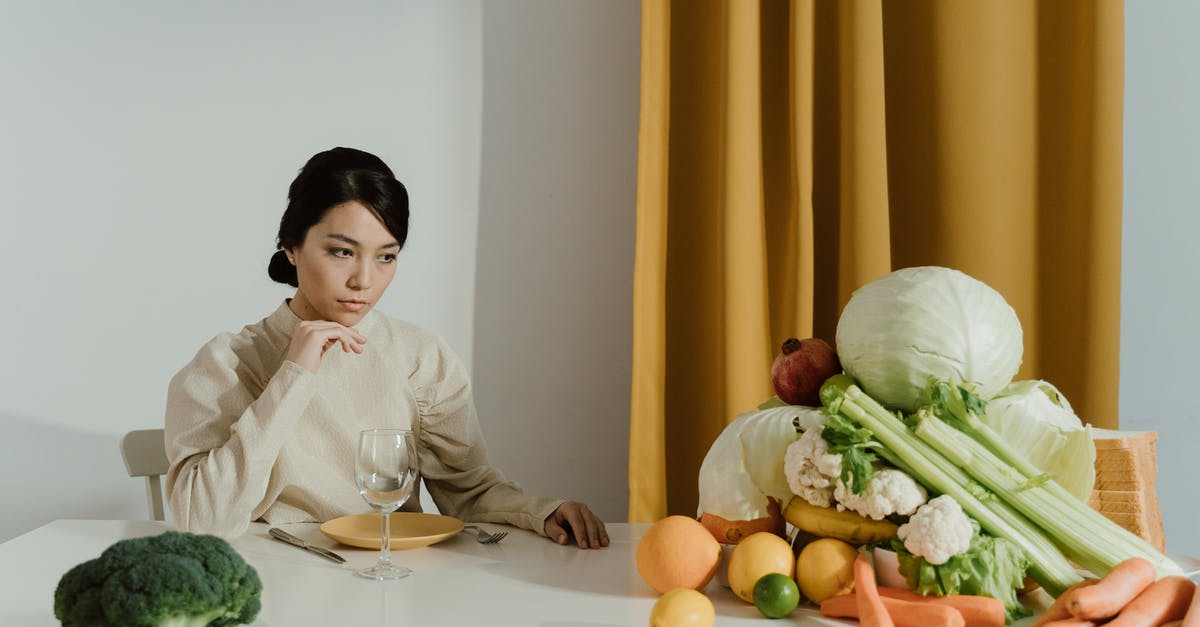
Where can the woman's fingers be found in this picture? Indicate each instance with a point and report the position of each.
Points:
(312, 338)
(601, 531)
(590, 532)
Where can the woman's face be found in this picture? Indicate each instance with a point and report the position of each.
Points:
(344, 265)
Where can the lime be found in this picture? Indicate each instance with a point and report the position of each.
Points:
(776, 595)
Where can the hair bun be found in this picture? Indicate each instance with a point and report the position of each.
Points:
(281, 270)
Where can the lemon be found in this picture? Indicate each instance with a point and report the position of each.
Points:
(825, 568)
(756, 555)
(776, 595)
(683, 607)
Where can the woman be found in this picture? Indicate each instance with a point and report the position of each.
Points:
(263, 424)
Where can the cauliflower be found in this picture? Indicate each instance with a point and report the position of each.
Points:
(938, 530)
(810, 469)
(889, 491)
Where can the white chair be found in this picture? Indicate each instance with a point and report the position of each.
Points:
(145, 455)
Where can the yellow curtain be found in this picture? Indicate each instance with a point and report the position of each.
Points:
(791, 152)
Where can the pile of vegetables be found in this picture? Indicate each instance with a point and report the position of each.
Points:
(983, 481)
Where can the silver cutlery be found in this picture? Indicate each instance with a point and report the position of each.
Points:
(483, 537)
(283, 536)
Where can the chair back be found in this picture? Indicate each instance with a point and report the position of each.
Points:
(145, 455)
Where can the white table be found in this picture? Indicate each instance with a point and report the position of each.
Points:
(524, 580)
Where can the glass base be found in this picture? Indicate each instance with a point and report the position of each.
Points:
(384, 571)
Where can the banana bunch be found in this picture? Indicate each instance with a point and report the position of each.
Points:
(827, 522)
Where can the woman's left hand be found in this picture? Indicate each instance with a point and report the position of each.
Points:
(573, 518)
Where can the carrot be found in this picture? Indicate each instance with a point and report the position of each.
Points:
(1174, 623)
(1058, 610)
(1165, 600)
(871, 611)
(977, 611)
(1193, 614)
(1114, 591)
(1071, 622)
(903, 613)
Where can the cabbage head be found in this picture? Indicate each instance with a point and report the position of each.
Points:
(905, 327)
(1036, 419)
(744, 465)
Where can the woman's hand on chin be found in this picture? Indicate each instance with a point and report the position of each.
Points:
(311, 338)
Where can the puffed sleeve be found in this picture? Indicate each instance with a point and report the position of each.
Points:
(222, 438)
(453, 456)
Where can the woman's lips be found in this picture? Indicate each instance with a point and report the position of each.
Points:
(352, 305)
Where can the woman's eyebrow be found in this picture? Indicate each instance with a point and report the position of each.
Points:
(354, 242)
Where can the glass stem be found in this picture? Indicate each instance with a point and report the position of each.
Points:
(385, 541)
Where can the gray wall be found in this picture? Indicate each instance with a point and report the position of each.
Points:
(1160, 287)
(145, 152)
(554, 284)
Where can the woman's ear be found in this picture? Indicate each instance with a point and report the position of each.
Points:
(291, 256)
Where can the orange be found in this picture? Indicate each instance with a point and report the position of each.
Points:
(677, 552)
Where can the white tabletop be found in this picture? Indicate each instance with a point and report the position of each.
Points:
(523, 580)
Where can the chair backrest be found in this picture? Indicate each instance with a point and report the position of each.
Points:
(145, 455)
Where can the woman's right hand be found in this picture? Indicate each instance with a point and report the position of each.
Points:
(311, 338)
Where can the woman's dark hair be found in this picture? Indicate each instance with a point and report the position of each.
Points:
(330, 178)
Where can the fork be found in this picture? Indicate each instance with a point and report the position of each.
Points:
(483, 537)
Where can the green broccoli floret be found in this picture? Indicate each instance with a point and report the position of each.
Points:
(175, 579)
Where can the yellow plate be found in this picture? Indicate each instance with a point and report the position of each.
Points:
(409, 530)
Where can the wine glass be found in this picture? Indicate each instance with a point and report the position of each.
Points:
(384, 471)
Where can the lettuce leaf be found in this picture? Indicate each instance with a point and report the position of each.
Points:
(992, 567)
(1036, 419)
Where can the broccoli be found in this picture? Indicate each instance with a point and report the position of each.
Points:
(174, 579)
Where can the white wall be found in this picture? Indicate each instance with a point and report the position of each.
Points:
(145, 154)
(1160, 287)
(554, 285)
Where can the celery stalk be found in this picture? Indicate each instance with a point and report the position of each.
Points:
(1048, 566)
(1083, 534)
(954, 405)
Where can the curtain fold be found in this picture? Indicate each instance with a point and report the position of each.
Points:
(647, 436)
(790, 152)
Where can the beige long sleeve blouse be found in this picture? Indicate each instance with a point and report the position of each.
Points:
(251, 436)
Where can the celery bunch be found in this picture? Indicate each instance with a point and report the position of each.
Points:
(949, 450)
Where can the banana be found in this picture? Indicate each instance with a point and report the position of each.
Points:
(828, 522)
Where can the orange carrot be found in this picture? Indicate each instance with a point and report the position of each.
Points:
(903, 613)
(977, 611)
(1058, 610)
(871, 611)
(1193, 614)
(1174, 623)
(1165, 600)
(1071, 622)
(1114, 591)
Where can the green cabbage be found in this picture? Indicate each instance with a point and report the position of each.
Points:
(898, 331)
(1036, 419)
(744, 465)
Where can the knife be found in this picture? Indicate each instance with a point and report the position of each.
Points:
(283, 536)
